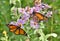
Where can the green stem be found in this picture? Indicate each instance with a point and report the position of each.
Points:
(42, 34)
(20, 3)
(17, 9)
(52, 23)
(6, 38)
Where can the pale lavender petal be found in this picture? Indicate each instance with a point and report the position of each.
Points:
(33, 25)
(31, 11)
(27, 14)
(25, 17)
(49, 13)
(20, 21)
(45, 6)
(28, 10)
(21, 10)
(14, 23)
(36, 9)
(19, 24)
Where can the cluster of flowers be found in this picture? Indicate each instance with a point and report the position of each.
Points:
(28, 11)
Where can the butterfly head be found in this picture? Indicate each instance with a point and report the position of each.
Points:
(20, 24)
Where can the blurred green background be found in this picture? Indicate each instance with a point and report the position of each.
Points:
(53, 25)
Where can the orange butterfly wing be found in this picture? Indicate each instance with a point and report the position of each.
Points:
(12, 28)
(17, 30)
(40, 16)
(20, 31)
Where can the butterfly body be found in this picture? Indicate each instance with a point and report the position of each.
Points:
(16, 29)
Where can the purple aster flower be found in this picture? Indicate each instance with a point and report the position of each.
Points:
(49, 14)
(14, 23)
(36, 9)
(25, 17)
(40, 7)
(45, 6)
(34, 24)
(20, 21)
(31, 10)
(28, 10)
(35, 19)
(21, 10)
(26, 14)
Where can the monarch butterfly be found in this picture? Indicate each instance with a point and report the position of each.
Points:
(16, 29)
(39, 16)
